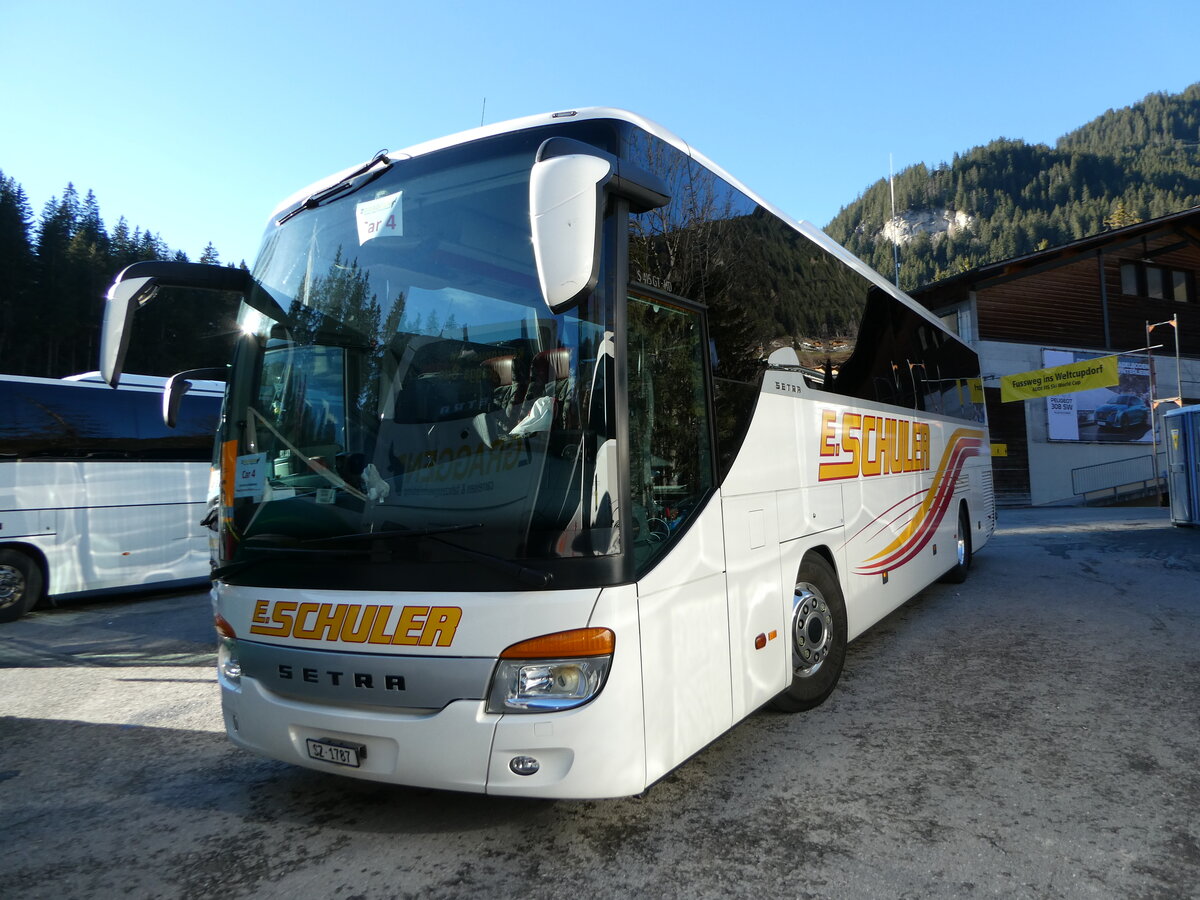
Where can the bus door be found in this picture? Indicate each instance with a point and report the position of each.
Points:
(759, 603)
(677, 536)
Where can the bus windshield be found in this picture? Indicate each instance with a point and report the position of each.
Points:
(418, 403)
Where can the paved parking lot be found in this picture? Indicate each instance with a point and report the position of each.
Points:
(1032, 733)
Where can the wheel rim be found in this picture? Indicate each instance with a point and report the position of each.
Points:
(12, 586)
(812, 631)
(960, 542)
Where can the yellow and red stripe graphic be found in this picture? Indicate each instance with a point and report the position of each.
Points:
(963, 444)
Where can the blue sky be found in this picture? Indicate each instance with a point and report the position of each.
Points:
(196, 119)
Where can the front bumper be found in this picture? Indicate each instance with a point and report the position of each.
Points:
(597, 750)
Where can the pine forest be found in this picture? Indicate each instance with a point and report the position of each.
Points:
(1010, 198)
(53, 277)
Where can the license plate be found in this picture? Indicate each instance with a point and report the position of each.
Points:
(339, 753)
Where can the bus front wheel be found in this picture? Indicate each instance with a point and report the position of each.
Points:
(818, 633)
(20, 584)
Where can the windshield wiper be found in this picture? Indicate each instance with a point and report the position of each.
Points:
(318, 547)
(272, 545)
(272, 549)
(391, 533)
(530, 576)
(525, 574)
(346, 184)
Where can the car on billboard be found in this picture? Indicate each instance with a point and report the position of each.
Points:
(1123, 411)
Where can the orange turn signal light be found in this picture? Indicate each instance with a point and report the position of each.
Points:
(224, 629)
(578, 642)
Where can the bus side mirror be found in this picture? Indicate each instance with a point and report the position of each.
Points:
(178, 384)
(125, 297)
(136, 285)
(566, 203)
(568, 186)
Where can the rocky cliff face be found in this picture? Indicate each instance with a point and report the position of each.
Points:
(936, 223)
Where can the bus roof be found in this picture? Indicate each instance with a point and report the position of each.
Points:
(130, 382)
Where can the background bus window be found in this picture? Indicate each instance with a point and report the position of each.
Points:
(71, 420)
(670, 460)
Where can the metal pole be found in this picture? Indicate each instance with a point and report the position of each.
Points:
(1178, 371)
(895, 227)
(1153, 416)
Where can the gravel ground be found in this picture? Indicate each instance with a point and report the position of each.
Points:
(1032, 733)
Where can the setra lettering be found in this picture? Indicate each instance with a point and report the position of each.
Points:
(335, 678)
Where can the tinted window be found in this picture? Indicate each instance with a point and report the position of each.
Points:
(670, 460)
(713, 245)
(767, 286)
(76, 421)
(903, 359)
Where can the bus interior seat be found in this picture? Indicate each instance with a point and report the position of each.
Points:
(501, 370)
(550, 376)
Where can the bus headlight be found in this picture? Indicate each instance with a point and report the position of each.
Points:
(545, 685)
(538, 675)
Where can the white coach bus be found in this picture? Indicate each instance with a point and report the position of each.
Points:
(96, 493)
(551, 452)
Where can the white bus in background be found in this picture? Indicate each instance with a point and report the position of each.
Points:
(526, 486)
(96, 492)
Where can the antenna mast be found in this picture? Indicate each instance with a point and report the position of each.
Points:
(895, 227)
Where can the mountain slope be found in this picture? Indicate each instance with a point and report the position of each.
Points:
(1010, 198)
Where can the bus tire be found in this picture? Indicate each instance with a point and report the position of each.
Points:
(962, 549)
(20, 584)
(818, 637)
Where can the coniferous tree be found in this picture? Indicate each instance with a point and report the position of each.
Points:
(86, 279)
(17, 275)
(210, 256)
(54, 284)
(122, 248)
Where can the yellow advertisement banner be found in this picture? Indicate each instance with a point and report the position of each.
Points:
(976, 385)
(1078, 376)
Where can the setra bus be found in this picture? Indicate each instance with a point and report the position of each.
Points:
(96, 493)
(551, 452)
